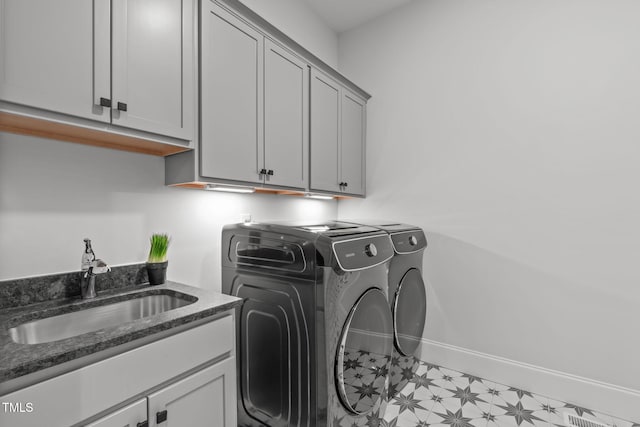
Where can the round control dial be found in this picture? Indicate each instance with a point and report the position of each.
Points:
(413, 240)
(371, 250)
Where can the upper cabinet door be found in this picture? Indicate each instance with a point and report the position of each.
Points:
(46, 54)
(286, 117)
(231, 117)
(153, 66)
(353, 143)
(325, 133)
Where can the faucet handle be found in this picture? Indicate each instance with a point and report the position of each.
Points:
(99, 267)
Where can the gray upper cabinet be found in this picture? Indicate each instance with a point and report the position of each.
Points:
(126, 62)
(337, 137)
(286, 117)
(231, 94)
(254, 98)
(46, 54)
(352, 151)
(272, 115)
(325, 133)
(153, 66)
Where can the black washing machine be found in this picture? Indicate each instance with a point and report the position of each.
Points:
(407, 298)
(315, 331)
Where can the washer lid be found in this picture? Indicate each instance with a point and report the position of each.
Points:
(334, 229)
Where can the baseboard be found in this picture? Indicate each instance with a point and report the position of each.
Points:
(609, 399)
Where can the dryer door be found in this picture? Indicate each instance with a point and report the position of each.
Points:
(409, 312)
(364, 354)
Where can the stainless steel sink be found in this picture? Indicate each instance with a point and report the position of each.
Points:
(95, 318)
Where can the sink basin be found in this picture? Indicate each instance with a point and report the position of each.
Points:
(79, 322)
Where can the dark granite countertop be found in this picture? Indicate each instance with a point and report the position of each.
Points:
(17, 360)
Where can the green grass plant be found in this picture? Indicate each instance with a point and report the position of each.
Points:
(159, 246)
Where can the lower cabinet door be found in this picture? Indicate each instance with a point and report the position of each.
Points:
(206, 398)
(134, 415)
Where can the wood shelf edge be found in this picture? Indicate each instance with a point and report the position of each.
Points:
(25, 125)
(259, 190)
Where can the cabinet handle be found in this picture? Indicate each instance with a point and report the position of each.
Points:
(346, 184)
(122, 106)
(263, 171)
(105, 102)
(144, 423)
(270, 172)
(161, 416)
(341, 184)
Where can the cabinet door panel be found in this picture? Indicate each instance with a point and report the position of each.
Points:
(231, 98)
(325, 133)
(152, 69)
(129, 416)
(353, 137)
(102, 56)
(46, 55)
(206, 398)
(286, 92)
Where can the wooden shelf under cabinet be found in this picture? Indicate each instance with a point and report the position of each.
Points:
(25, 125)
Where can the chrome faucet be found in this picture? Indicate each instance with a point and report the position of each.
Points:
(90, 267)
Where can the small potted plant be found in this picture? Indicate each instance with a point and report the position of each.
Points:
(157, 262)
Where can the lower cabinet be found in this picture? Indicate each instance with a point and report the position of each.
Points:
(204, 398)
(134, 415)
(182, 380)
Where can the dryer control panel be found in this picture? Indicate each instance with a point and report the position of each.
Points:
(409, 241)
(363, 252)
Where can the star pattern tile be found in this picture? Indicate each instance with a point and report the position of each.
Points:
(439, 397)
(466, 396)
(422, 381)
(407, 403)
(520, 414)
(455, 419)
(580, 410)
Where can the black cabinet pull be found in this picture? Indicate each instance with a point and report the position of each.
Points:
(263, 171)
(161, 416)
(122, 106)
(341, 184)
(346, 184)
(144, 423)
(270, 172)
(105, 102)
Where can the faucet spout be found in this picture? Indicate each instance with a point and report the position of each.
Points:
(90, 268)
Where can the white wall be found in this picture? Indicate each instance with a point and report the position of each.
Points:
(298, 21)
(509, 131)
(53, 194)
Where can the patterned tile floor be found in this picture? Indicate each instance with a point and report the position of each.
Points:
(440, 397)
